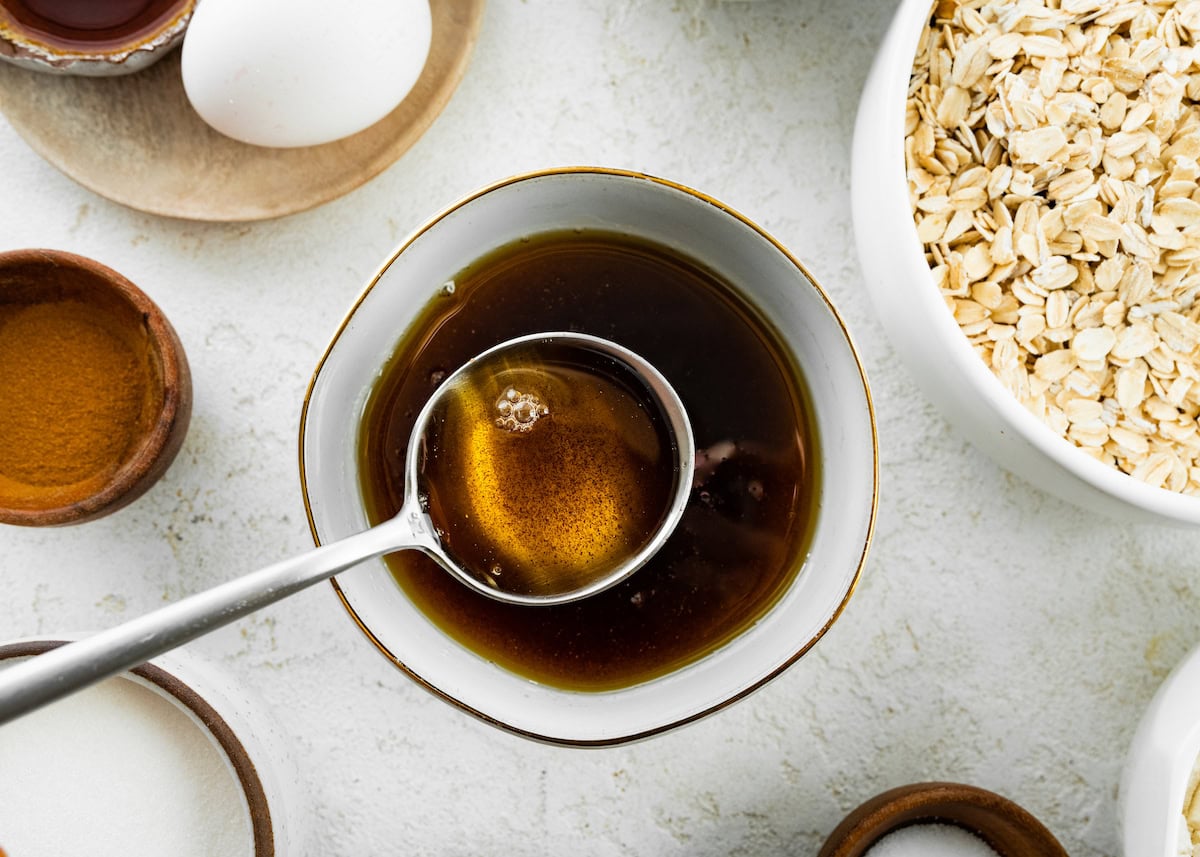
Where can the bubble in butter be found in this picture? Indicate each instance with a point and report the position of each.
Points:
(302, 72)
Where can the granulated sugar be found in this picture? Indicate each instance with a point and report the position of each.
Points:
(931, 840)
(114, 771)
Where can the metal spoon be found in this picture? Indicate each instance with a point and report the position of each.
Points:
(62, 671)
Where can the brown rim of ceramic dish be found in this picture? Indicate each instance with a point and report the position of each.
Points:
(150, 459)
(1009, 829)
(26, 36)
(803, 649)
(230, 744)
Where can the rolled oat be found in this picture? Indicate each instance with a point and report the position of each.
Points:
(1052, 152)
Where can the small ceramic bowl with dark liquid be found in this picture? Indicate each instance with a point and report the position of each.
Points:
(784, 492)
(94, 38)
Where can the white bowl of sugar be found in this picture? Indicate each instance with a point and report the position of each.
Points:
(171, 758)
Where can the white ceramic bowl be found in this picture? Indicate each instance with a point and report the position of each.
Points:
(1163, 752)
(257, 753)
(768, 277)
(926, 336)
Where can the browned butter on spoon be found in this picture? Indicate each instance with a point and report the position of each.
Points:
(547, 467)
(544, 470)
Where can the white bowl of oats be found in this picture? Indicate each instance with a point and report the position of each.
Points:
(1028, 217)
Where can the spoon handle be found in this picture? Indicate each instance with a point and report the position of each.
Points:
(41, 680)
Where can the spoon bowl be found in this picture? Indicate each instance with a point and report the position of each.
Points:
(415, 516)
(51, 676)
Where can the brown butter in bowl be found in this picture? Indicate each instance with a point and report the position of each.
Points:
(748, 523)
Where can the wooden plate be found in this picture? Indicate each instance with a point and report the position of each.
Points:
(137, 141)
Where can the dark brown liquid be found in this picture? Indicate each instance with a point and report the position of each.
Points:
(88, 24)
(749, 519)
(545, 467)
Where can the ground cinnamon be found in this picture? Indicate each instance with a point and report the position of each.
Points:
(77, 388)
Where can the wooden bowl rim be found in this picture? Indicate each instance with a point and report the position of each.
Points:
(185, 696)
(149, 459)
(1009, 829)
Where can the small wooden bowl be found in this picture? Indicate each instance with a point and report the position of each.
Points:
(32, 277)
(1009, 829)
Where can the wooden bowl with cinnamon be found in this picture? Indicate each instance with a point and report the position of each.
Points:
(95, 390)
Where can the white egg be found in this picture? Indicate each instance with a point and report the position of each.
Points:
(302, 72)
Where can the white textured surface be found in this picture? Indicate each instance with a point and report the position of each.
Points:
(999, 638)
